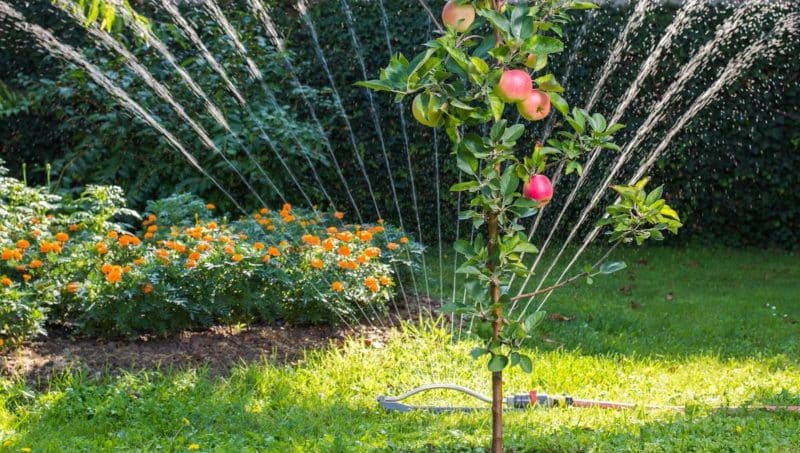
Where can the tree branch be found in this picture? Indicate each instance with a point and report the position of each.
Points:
(432, 16)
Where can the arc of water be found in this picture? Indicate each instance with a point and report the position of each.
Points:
(734, 69)
(47, 40)
(404, 129)
(213, 8)
(698, 60)
(337, 99)
(680, 22)
(181, 21)
(621, 44)
(272, 32)
(213, 110)
(194, 37)
(133, 63)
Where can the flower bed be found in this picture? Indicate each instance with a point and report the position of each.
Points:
(77, 262)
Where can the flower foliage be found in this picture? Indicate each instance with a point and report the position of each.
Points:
(77, 262)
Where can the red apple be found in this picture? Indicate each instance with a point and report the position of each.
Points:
(538, 188)
(427, 110)
(458, 17)
(535, 107)
(514, 86)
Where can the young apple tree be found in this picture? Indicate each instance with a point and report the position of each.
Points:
(488, 55)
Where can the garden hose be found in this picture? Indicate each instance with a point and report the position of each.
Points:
(533, 399)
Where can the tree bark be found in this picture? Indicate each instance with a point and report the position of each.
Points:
(497, 376)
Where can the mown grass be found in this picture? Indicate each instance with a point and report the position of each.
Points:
(715, 343)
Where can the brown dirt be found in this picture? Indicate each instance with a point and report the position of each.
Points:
(218, 348)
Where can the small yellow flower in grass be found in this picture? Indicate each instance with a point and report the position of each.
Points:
(739, 429)
(7, 443)
(337, 286)
(193, 447)
(186, 421)
(25, 450)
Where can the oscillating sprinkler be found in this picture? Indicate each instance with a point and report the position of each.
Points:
(534, 399)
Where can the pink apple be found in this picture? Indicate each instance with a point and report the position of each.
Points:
(538, 188)
(458, 17)
(535, 107)
(514, 86)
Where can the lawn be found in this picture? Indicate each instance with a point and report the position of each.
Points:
(690, 326)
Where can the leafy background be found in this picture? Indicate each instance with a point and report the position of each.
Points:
(731, 172)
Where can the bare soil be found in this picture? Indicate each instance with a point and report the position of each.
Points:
(218, 348)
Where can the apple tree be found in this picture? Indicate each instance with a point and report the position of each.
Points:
(489, 66)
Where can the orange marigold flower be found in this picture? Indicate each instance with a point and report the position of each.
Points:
(5, 281)
(147, 288)
(283, 244)
(332, 230)
(36, 233)
(73, 287)
(339, 215)
(392, 246)
(337, 286)
(112, 235)
(211, 206)
(317, 263)
(27, 277)
(149, 235)
(363, 258)
(310, 239)
(259, 246)
(212, 225)
(151, 218)
(12, 254)
(404, 240)
(237, 257)
(378, 229)
(114, 274)
(36, 264)
(101, 248)
(23, 244)
(372, 284)
(228, 250)
(138, 261)
(161, 253)
(203, 246)
(152, 228)
(106, 268)
(344, 250)
(266, 258)
(288, 218)
(286, 207)
(191, 264)
(73, 228)
(373, 252)
(345, 236)
(273, 251)
(364, 236)
(194, 256)
(328, 244)
(380, 221)
(264, 211)
(385, 281)
(62, 237)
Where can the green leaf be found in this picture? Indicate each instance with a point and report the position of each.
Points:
(582, 5)
(533, 320)
(654, 195)
(613, 266)
(497, 20)
(525, 363)
(497, 106)
(497, 363)
(463, 247)
(478, 352)
(543, 45)
(559, 103)
(462, 186)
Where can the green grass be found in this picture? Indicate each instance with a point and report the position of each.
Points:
(715, 343)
